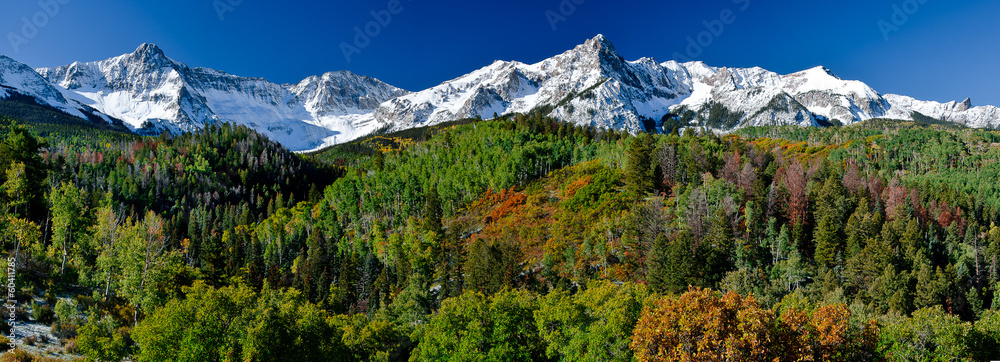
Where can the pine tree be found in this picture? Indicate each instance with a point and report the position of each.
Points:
(20, 147)
(658, 264)
(639, 172)
(433, 212)
(828, 240)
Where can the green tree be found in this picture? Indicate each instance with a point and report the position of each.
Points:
(658, 264)
(17, 190)
(148, 267)
(473, 327)
(234, 323)
(69, 211)
(594, 325)
(930, 335)
(433, 212)
(828, 240)
(20, 147)
(100, 339)
(639, 178)
(930, 287)
(987, 336)
(684, 266)
(107, 231)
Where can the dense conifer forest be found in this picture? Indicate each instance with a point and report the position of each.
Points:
(516, 238)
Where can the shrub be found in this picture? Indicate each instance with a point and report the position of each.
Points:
(64, 329)
(100, 340)
(43, 314)
(70, 347)
(85, 301)
(21, 314)
(66, 310)
(18, 355)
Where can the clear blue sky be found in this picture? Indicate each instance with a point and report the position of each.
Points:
(943, 51)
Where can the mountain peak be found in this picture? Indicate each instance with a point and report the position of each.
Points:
(149, 53)
(599, 49)
(966, 104)
(822, 70)
(600, 42)
(150, 49)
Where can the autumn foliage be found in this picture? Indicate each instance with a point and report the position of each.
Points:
(704, 325)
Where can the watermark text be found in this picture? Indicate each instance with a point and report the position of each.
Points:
(363, 35)
(900, 16)
(11, 300)
(714, 28)
(566, 9)
(225, 6)
(30, 26)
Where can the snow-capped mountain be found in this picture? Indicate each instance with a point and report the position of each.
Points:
(590, 84)
(148, 91)
(593, 83)
(17, 79)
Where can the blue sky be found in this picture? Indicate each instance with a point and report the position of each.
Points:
(936, 50)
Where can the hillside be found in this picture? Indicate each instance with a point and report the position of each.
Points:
(837, 243)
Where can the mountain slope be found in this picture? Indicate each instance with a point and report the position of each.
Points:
(27, 96)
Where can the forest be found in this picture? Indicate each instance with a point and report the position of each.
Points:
(515, 238)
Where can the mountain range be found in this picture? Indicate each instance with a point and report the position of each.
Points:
(589, 84)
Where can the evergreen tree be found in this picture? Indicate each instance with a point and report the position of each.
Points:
(658, 264)
(829, 241)
(639, 178)
(21, 150)
(433, 212)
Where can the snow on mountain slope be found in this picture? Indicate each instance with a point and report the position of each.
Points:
(19, 78)
(148, 91)
(616, 93)
(956, 112)
(590, 84)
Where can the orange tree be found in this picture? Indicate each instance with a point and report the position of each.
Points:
(702, 325)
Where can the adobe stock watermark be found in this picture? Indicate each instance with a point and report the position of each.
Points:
(697, 44)
(225, 6)
(32, 25)
(566, 9)
(900, 16)
(363, 36)
(11, 300)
